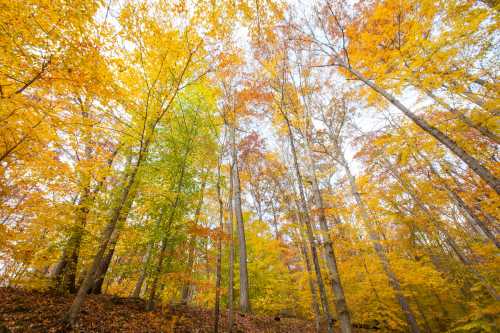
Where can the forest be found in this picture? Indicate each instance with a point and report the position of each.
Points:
(249, 166)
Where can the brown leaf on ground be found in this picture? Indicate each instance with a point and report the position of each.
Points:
(24, 311)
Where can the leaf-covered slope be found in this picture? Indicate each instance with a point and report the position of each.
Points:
(34, 311)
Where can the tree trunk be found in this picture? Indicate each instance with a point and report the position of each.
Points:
(331, 261)
(103, 267)
(105, 237)
(159, 266)
(474, 164)
(105, 263)
(469, 213)
(464, 119)
(65, 271)
(219, 252)
(277, 234)
(447, 237)
(138, 286)
(186, 288)
(420, 309)
(162, 253)
(244, 296)
(306, 221)
(380, 251)
(230, 292)
(312, 287)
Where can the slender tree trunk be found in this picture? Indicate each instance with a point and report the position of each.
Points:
(309, 232)
(186, 288)
(89, 198)
(65, 271)
(103, 267)
(420, 309)
(161, 257)
(219, 251)
(277, 234)
(464, 119)
(469, 212)
(380, 251)
(331, 261)
(138, 286)
(489, 219)
(372, 285)
(154, 285)
(244, 296)
(70, 271)
(472, 217)
(162, 253)
(474, 164)
(473, 98)
(310, 279)
(442, 326)
(447, 237)
(230, 292)
(105, 237)
(61, 264)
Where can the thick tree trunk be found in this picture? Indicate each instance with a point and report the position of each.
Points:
(380, 251)
(306, 221)
(474, 164)
(331, 261)
(244, 296)
(105, 263)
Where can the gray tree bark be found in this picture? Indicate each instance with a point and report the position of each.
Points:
(218, 273)
(244, 296)
(331, 261)
(312, 287)
(306, 221)
(230, 292)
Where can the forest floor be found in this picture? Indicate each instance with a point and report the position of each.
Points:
(36, 311)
